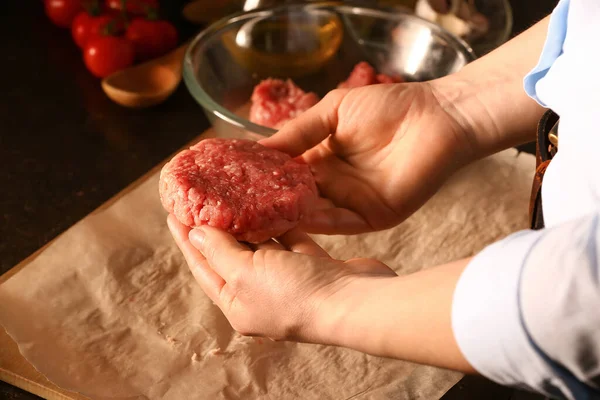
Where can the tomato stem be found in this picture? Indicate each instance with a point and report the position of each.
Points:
(151, 13)
(109, 29)
(124, 12)
(92, 7)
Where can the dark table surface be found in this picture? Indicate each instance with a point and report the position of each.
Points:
(65, 148)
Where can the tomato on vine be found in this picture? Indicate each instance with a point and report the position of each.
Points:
(135, 7)
(93, 23)
(151, 38)
(62, 12)
(105, 55)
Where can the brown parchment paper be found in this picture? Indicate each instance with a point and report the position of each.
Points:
(111, 311)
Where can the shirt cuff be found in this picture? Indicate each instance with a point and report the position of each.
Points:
(486, 316)
(553, 48)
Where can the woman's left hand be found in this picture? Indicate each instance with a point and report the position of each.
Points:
(278, 289)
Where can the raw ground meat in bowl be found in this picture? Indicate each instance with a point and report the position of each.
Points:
(275, 102)
(253, 192)
(364, 74)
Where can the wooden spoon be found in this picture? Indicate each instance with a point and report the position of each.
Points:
(146, 84)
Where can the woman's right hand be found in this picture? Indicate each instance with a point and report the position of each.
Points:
(378, 153)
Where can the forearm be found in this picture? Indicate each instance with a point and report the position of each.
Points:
(406, 317)
(487, 96)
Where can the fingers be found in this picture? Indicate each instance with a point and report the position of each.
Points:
(269, 245)
(308, 129)
(222, 251)
(335, 221)
(210, 282)
(299, 242)
(323, 204)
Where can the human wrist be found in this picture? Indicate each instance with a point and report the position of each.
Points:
(338, 321)
(405, 317)
(493, 112)
(460, 97)
(487, 98)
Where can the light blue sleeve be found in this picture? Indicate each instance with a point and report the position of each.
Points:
(526, 310)
(553, 48)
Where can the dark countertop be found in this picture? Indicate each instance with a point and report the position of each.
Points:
(65, 148)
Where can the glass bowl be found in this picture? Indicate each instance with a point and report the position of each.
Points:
(317, 46)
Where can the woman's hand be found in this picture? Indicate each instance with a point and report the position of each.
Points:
(290, 289)
(275, 289)
(378, 153)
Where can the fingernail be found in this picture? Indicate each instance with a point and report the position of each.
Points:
(197, 237)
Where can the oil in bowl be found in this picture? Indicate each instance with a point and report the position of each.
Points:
(289, 44)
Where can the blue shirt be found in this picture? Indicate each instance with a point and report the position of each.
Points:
(526, 310)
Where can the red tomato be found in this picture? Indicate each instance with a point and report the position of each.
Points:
(62, 12)
(151, 39)
(81, 28)
(105, 55)
(137, 7)
(86, 26)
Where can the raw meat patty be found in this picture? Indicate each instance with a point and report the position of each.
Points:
(253, 192)
(364, 74)
(275, 102)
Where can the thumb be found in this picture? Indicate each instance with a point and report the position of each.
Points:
(308, 129)
(224, 254)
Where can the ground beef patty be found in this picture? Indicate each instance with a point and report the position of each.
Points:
(275, 102)
(253, 192)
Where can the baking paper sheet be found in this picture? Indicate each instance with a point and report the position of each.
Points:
(110, 310)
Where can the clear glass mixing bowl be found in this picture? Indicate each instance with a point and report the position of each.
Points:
(316, 45)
